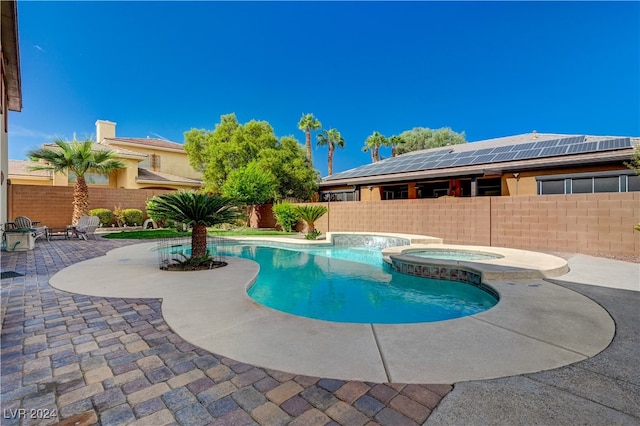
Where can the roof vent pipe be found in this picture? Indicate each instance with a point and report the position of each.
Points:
(535, 134)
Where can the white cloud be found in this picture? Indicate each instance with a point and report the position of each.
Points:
(29, 133)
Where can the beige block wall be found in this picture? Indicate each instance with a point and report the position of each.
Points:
(579, 223)
(52, 206)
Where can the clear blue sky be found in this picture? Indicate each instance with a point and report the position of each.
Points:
(489, 69)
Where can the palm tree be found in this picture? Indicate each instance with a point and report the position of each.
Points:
(79, 158)
(308, 123)
(332, 138)
(395, 141)
(197, 209)
(373, 144)
(310, 214)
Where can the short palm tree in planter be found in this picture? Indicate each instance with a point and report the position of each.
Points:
(198, 210)
(310, 214)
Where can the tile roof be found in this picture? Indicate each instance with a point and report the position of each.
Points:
(101, 147)
(21, 168)
(146, 142)
(148, 175)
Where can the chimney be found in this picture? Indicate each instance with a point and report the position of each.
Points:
(105, 129)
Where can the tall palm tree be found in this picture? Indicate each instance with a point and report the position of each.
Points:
(373, 144)
(332, 138)
(395, 141)
(79, 158)
(308, 123)
(196, 209)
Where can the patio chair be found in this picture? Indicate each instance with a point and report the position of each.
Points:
(23, 222)
(86, 227)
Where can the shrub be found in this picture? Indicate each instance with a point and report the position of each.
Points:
(286, 215)
(310, 214)
(105, 216)
(132, 217)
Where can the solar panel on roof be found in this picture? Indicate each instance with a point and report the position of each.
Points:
(582, 147)
(466, 154)
(571, 140)
(524, 146)
(463, 161)
(505, 156)
(426, 165)
(529, 153)
(556, 150)
(445, 163)
(483, 159)
(547, 144)
(484, 151)
(501, 149)
(614, 144)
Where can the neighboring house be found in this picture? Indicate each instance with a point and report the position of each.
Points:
(10, 90)
(527, 164)
(149, 164)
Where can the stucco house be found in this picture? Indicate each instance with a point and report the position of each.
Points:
(150, 164)
(520, 165)
(10, 90)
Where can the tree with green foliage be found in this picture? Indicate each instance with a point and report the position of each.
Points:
(197, 209)
(332, 139)
(310, 214)
(395, 142)
(289, 164)
(634, 162)
(308, 123)
(232, 146)
(250, 185)
(425, 138)
(286, 215)
(373, 143)
(77, 158)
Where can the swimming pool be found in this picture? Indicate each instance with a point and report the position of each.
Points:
(352, 284)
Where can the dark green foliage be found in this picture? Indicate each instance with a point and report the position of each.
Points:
(105, 216)
(311, 213)
(193, 208)
(286, 215)
(313, 235)
(131, 217)
(232, 146)
(425, 138)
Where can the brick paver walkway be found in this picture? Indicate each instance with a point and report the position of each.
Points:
(83, 360)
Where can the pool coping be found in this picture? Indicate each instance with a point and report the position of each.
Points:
(536, 326)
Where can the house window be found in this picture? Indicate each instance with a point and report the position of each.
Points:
(490, 187)
(552, 187)
(584, 183)
(152, 162)
(338, 196)
(91, 178)
(633, 183)
(399, 192)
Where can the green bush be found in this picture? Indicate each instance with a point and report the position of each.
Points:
(105, 216)
(132, 217)
(286, 215)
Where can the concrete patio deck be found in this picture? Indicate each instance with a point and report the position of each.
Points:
(116, 361)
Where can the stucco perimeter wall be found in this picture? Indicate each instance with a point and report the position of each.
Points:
(579, 223)
(52, 205)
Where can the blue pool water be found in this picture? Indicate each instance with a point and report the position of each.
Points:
(351, 284)
(453, 254)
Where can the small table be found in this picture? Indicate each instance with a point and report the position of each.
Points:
(58, 232)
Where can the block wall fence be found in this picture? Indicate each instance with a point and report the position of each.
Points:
(579, 223)
(52, 205)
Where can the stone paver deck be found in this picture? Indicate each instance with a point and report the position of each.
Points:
(115, 361)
